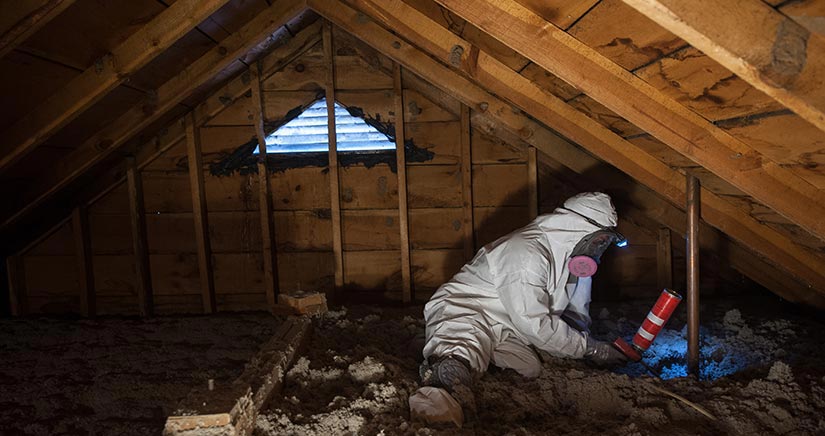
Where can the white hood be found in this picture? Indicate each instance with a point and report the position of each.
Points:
(564, 229)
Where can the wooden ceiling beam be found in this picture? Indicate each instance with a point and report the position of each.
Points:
(105, 75)
(221, 98)
(175, 132)
(437, 42)
(22, 18)
(640, 103)
(168, 95)
(644, 206)
(770, 51)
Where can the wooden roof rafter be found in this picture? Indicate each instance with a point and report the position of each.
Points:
(23, 18)
(644, 205)
(101, 78)
(168, 95)
(643, 105)
(175, 132)
(770, 51)
(440, 43)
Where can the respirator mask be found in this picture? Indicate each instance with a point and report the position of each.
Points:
(584, 260)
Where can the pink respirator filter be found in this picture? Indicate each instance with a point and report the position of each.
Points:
(582, 266)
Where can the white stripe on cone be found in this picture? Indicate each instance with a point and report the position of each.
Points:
(655, 319)
(645, 334)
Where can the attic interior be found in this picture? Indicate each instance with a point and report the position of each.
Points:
(227, 216)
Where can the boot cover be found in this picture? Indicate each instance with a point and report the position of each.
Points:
(435, 405)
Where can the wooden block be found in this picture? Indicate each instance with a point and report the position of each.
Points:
(179, 424)
(304, 303)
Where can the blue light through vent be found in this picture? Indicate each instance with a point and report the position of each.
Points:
(308, 133)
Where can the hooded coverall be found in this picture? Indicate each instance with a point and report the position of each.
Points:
(515, 294)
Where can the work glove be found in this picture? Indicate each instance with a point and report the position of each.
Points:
(603, 353)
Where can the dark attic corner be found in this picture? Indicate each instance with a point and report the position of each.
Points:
(412, 217)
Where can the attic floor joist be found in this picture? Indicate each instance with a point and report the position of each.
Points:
(99, 79)
(630, 97)
(168, 95)
(770, 51)
(439, 43)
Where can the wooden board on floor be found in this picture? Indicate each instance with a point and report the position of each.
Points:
(232, 409)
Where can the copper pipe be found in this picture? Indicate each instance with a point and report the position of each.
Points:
(693, 202)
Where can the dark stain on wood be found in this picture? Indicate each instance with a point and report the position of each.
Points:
(748, 120)
(648, 52)
(788, 54)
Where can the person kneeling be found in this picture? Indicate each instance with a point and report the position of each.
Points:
(528, 289)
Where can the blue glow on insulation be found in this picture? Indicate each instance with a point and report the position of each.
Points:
(719, 356)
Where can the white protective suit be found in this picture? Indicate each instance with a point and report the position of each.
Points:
(515, 294)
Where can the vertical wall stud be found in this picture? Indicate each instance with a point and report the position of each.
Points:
(17, 285)
(664, 259)
(265, 197)
(140, 244)
(532, 183)
(83, 254)
(401, 162)
(335, 194)
(200, 214)
(693, 203)
(467, 184)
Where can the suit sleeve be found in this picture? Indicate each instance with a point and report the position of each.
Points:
(525, 299)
